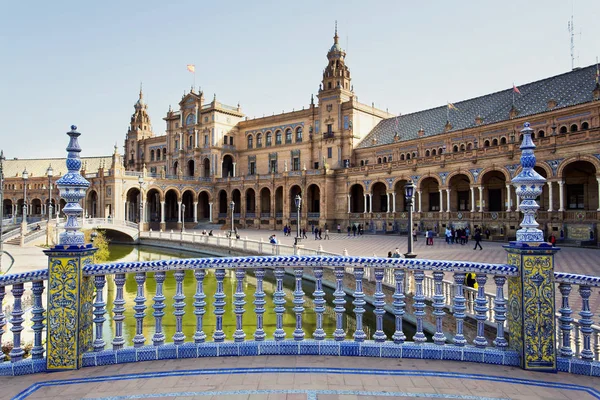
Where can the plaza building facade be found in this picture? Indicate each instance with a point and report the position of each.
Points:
(350, 161)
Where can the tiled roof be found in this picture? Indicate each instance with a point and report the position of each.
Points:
(37, 167)
(568, 89)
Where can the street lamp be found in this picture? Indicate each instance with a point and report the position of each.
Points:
(298, 201)
(25, 176)
(50, 173)
(1, 204)
(182, 217)
(140, 219)
(232, 207)
(409, 191)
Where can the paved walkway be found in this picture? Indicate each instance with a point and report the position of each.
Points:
(300, 378)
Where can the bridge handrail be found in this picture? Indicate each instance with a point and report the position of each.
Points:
(577, 279)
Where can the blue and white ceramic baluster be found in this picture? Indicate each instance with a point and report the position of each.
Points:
(38, 318)
(158, 339)
(2, 319)
(139, 308)
(179, 306)
(118, 309)
(586, 322)
(359, 304)
(419, 306)
(459, 308)
(239, 302)
(279, 301)
(340, 304)
(199, 306)
(99, 312)
(438, 307)
(219, 304)
(500, 311)
(565, 320)
(379, 303)
(259, 304)
(399, 304)
(16, 354)
(481, 310)
(319, 302)
(298, 303)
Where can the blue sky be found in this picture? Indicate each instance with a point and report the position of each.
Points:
(74, 62)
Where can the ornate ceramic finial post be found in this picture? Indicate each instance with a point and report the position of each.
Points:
(531, 319)
(69, 315)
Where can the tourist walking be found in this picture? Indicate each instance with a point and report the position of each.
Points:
(353, 230)
(467, 234)
(339, 228)
(448, 235)
(316, 233)
(326, 234)
(477, 238)
(320, 233)
(304, 233)
(349, 230)
(414, 234)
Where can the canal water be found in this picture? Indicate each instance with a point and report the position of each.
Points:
(145, 253)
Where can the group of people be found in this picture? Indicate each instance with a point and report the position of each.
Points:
(209, 233)
(273, 239)
(355, 229)
(395, 254)
(456, 236)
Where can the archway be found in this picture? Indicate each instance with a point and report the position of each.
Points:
(8, 208)
(227, 166)
(357, 202)
(581, 188)
(250, 201)
(380, 200)
(544, 199)
(187, 199)
(153, 205)
(175, 166)
(171, 206)
(279, 201)
(460, 193)
(294, 191)
(494, 197)
(206, 168)
(265, 202)
(62, 203)
(190, 168)
(20, 207)
(91, 206)
(313, 201)
(36, 207)
(132, 209)
(203, 205)
(400, 200)
(223, 206)
(430, 190)
(236, 196)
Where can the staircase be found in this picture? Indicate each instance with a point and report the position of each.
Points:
(16, 241)
(209, 226)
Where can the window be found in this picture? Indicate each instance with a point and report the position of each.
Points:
(176, 144)
(503, 140)
(462, 147)
(269, 139)
(206, 140)
(231, 140)
(542, 134)
(329, 152)
(379, 160)
(469, 146)
(563, 129)
(434, 201)
(299, 134)
(250, 141)
(463, 200)
(252, 168)
(362, 162)
(296, 164)
(455, 149)
(278, 137)
(495, 142)
(259, 140)
(316, 165)
(164, 153)
(225, 139)
(575, 197)
(191, 141)
(427, 153)
(273, 166)
(486, 143)
(585, 126)
(329, 129)
(408, 156)
(434, 152)
(385, 160)
(288, 136)
(401, 157)
(329, 85)
(205, 119)
(151, 155)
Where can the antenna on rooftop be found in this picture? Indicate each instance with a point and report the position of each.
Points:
(571, 29)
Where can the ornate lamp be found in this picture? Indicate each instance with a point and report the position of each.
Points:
(409, 191)
(298, 201)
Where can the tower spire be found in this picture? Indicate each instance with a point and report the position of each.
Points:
(336, 37)
(141, 94)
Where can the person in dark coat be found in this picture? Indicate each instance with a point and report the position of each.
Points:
(477, 238)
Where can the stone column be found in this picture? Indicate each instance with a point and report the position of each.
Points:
(366, 204)
(195, 212)
(550, 199)
(598, 180)
(508, 198)
(125, 210)
(210, 212)
(441, 200)
(534, 284)
(162, 212)
(234, 171)
(420, 199)
(561, 196)
(370, 202)
(179, 212)
(480, 198)
(447, 200)
(393, 202)
(387, 196)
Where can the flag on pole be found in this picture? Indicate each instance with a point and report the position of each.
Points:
(191, 68)
(516, 89)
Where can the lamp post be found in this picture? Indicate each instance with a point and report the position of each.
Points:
(140, 219)
(50, 173)
(409, 191)
(1, 204)
(25, 176)
(232, 207)
(182, 217)
(298, 201)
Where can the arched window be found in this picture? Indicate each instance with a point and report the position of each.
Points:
(486, 143)
(379, 160)
(298, 134)
(269, 139)
(191, 141)
(362, 163)
(455, 149)
(434, 152)
(151, 155)
(585, 126)
(250, 141)
(541, 134)
(520, 138)
(288, 136)
(532, 135)
(502, 140)
(495, 142)
(462, 147)
(427, 153)
(164, 157)
(259, 140)
(408, 156)
(401, 157)
(278, 137)
(469, 146)
(574, 128)
(414, 154)
(385, 160)
(563, 129)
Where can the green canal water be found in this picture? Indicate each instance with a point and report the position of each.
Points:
(144, 253)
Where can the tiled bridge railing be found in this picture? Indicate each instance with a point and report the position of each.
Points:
(151, 344)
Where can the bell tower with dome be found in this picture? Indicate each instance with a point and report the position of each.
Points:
(336, 76)
(139, 128)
